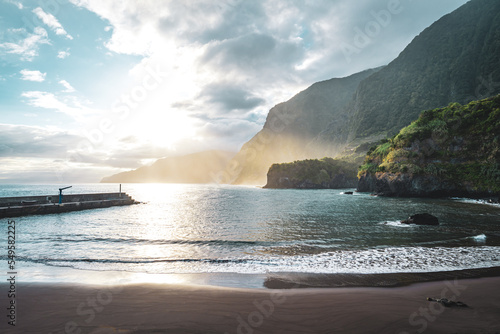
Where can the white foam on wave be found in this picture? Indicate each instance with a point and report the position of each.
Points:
(475, 201)
(349, 191)
(479, 238)
(376, 260)
(395, 223)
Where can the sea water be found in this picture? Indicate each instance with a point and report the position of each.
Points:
(221, 229)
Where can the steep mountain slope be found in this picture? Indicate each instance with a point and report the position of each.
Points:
(193, 168)
(456, 59)
(453, 151)
(290, 126)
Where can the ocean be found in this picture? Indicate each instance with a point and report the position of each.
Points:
(221, 231)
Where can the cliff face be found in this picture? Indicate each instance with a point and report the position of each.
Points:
(326, 173)
(410, 185)
(193, 168)
(454, 60)
(452, 151)
(290, 126)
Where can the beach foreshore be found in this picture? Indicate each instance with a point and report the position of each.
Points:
(381, 280)
(171, 308)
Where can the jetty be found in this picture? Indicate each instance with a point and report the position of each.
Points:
(48, 204)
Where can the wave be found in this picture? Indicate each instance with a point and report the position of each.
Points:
(127, 261)
(160, 241)
(475, 201)
(479, 238)
(396, 223)
(375, 260)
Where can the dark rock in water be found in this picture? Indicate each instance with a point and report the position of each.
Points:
(421, 219)
(348, 193)
(447, 303)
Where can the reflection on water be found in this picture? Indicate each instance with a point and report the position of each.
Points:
(208, 228)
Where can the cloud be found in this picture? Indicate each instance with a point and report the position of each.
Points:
(26, 46)
(35, 142)
(51, 22)
(63, 54)
(69, 88)
(33, 148)
(219, 20)
(132, 158)
(228, 134)
(15, 3)
(32, 75)
(253, 52)
(44, 100)
(127, 155)
(50, 171)
(49, 154)
(229, 97)
(48, 100)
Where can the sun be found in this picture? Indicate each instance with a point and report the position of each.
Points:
(164, 128)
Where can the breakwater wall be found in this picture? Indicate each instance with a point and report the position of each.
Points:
(47, 204)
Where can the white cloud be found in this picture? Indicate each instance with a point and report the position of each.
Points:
(46, 154)
(51, 21)
(33, 75)
(34, 141)
(44, 100)
(69, 88)
(27, 44)
(50, 101)
(15, 3)
(63, 54)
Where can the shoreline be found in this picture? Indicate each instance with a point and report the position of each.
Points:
(263, 281)
(382, 280)
(174, 308)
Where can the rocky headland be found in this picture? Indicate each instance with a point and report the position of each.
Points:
(452, 151)
(326, 173)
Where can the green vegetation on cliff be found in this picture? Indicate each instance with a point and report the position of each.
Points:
(312, 173)
(457, 145)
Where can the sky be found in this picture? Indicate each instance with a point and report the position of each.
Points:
(89, 88)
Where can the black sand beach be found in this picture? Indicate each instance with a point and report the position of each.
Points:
(162, 308)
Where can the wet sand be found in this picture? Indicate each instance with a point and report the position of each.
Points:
(304, 280)
(162, 308)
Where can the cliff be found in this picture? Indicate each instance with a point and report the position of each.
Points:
(454, 60)
(326, 173)
(452, 151)
(290, 126)
(193, 168)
